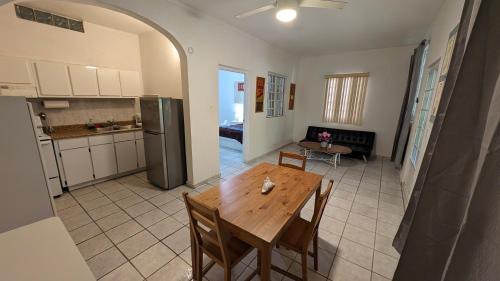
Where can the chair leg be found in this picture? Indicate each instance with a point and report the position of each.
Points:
(227, 273)
(315, 251)
(304, 266)
(199, 264)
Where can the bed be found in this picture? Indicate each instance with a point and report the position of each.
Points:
(234, 132)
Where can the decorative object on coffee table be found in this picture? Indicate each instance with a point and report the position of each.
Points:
(329, 154)
(324, 138)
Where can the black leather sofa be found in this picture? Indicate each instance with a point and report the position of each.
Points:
(361, 142)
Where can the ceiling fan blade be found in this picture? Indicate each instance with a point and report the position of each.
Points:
(323, 4)
(256, 11)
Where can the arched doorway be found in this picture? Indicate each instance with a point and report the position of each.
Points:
(182, 58)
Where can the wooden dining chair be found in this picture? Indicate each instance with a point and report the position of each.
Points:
(209, 237)
(300, 233)
(295, 157)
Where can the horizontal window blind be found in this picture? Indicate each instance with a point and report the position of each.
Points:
(345, 98)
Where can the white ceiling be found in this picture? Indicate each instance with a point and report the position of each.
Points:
(92, 14)
(361, 25)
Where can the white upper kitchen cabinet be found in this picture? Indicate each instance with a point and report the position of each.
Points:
(126, 156)
(15, 71)
(53, 79)
(77, 165)
(103, 160)
(131, 83)
(109, 82)
(84, 80)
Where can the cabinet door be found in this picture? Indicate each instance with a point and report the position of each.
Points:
(53, 79)
(103, 160)
(77, 165)
(141, 158)
(15, 71)
(84, 80)
(109, 82)
(131, 83)
(126, 156)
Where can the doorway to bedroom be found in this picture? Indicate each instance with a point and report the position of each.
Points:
(231, 120)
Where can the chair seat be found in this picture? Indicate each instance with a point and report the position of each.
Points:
(237, 249)
(294, 236)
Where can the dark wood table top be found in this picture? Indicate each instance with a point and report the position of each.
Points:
(251, 215)
(316, 146)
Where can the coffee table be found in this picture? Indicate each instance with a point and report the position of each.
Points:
(332, 153)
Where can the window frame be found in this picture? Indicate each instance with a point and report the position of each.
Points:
(275, 95)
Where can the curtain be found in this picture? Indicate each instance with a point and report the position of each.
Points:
(404, 126)
(451, 229)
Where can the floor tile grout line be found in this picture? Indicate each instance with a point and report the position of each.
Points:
(376, 221)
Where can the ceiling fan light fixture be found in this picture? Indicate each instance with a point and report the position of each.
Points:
(286, 15)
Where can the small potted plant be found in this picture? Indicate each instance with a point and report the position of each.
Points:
(324, 138)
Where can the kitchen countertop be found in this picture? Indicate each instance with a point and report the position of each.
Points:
(77, 131)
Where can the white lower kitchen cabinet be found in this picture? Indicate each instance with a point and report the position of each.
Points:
(126, 156)
(103, 160)
(141, 157)
(77, 165)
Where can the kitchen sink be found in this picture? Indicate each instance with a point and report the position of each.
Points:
(115, 128)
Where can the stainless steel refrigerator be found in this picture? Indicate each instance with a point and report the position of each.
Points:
(24, 188)
(163, 126)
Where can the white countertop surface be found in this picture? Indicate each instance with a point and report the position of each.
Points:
(41, 251)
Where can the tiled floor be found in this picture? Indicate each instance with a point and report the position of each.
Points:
(127, 229)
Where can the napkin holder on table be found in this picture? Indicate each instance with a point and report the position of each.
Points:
(267, 186)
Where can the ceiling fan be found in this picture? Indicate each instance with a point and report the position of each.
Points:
(287, 9)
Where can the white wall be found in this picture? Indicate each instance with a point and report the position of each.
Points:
(446, 20)
(161, 68)
(98, 46)
(388, 70)
(229, 109)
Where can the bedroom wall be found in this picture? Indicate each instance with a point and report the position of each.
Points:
(230, 110)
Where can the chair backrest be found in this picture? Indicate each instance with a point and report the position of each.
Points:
(319, 208)
(201, 218)
(292, 156)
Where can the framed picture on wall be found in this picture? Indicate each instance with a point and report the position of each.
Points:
(291, 101)
(259, 94)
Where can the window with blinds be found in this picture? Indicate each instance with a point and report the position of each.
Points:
(276, 95)
(345, 98)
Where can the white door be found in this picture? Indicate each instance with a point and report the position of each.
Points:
(84, 80)
(131, 83)
(141, 158)
(126, 156)
(109, 82)
(103, 160)
(53, 79)
(77, 165)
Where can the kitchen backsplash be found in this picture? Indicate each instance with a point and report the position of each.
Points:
(81, 110)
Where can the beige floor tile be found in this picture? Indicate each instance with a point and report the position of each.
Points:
(369, 193)
(362, 222)
(129, 201)
(340, 203)
(346, 187)
(366, 201)
(355, 253)
(328, 241)
(113, 220)
(153, 259)
(216, 273)
(83, 191)
(149, 193)
(139, 209)
(182, 216)
(275, 276)
(312, 275)
(325, 261)
(175, 270)
(343, 194)
(126, 272)
(384, 265)
(94, 246)
(161, 199)
(384, 244)
(124, 231)
(151, 217)
(106, 262)
(94, 194)
(103, 211)
(391, 208)
(137, 244)
(359, 235)
(332, 225)
(96, 203)
(364, 210)
(368, 186)
(173, 207)
(70, 212)
(178, 241)
(349, 181)
(121, 194)
(77, 221)
(109, 187)
(164, 228)
(386, 229)
(65, 201)
(343, 270)
(376, 277)
(85, 232)
(391, 199)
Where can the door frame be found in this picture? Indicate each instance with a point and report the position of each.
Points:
(246, 108)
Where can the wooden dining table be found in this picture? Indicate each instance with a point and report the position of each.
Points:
(260, 219)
